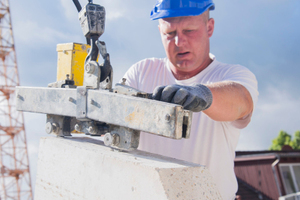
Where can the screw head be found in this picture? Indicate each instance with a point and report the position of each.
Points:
(111, 139)
(89, 68)
(108, 139)
(91, 130)
(93, 102)
(77, 127)
(51, 128)
(123, 81)
(48, 128)
(116, 139)
(168, 117)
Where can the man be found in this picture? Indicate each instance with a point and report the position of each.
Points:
(191, 76)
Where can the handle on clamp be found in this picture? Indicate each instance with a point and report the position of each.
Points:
(77, 4)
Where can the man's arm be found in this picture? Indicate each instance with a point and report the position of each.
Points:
(231, 101)
(222, 101)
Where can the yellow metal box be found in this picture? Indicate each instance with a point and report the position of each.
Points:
(71, 57)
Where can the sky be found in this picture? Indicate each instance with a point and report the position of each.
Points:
(263, 35)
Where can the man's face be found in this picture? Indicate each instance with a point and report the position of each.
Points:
(186, 42)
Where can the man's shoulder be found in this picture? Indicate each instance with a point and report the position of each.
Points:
(220, 67)
(219, 64)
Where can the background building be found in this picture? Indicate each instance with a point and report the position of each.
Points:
(268, 174)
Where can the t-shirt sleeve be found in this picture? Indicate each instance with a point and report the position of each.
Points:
(131, 76)
(142, 74)
(245, 77)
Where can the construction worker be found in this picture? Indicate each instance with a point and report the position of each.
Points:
(191, 76)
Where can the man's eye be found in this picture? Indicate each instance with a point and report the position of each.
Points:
(171, 33)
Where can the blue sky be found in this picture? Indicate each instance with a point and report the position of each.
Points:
(261, 35)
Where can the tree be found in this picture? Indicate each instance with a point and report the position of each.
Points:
(286, 139)
(296, 141)
(282, 139)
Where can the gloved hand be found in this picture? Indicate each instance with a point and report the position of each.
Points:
(195, 98)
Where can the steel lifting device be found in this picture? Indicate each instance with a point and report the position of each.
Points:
(97, 109)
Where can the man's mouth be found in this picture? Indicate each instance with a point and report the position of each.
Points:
(182, 54)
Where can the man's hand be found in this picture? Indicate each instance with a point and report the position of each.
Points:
(195, 98)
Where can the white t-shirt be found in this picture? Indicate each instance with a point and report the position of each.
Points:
(211, 143)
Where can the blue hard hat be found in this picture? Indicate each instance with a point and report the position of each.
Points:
(179, 8)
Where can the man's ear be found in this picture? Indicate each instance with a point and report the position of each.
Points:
(159, 25)
(210, 27)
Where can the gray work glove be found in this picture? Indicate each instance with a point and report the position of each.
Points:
(195, 98)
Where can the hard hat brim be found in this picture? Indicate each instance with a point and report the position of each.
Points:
(179, 12)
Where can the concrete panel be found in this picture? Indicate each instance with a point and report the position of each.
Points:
(83, 168)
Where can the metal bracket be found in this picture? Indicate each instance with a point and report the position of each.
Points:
(58, 125)
(95, 110)
(122, 138)
(81, 103)
(92, 128)
(92, 73)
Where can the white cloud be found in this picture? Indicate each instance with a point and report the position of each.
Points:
(31, 32)
(277, 109)
(114, 9)
(69, 9)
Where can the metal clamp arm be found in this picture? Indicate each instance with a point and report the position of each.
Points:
(131, 113)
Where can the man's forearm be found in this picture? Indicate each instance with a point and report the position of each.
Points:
(231, 101)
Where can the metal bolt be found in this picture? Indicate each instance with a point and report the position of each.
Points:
(168, 117)
(78, 128)
(111, 139)
(89, 68)
(91, 130)
(82, 92)
(51, 128)
(123, 81)
(116, 139)
(107, 139)
(71, 99)
(48, 128)
(20, 97)
(92, 102)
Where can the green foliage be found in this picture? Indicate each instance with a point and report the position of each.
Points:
(282, 139)
(296, 141)
(285, 139)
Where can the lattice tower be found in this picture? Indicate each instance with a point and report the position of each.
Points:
(15, 182)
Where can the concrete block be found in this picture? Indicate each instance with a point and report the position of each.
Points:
(83, 168)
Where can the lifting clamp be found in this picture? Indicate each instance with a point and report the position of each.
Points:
(97, 109)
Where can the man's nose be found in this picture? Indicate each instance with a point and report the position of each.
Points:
(180, 39)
